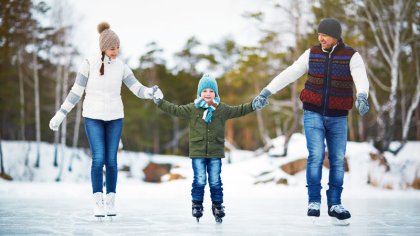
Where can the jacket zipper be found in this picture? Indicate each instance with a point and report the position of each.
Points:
(207, 139)
(327, 87)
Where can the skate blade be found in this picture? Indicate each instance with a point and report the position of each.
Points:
(99, 218)
(338, 222)
(313, 219)
(198, 219)
(218, 220)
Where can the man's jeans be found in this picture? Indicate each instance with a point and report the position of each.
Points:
(104, 137)
(213, 166)
(319, 128)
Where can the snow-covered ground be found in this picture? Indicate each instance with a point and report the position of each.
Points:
(43, 206)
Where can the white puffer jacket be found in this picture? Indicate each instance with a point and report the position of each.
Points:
(103, 93)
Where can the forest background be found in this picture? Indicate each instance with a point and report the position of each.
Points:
(37, 69)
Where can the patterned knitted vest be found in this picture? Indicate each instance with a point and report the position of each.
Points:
(329, 85)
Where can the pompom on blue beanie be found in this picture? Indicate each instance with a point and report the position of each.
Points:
(207, 82)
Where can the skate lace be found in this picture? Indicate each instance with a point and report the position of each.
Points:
(338, 208)
(218, 209)
(314, 205)
(99, 200)
(110, 202)
(197, 207)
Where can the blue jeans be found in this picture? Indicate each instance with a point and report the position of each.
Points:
(213, 166)
(333, 130)
(104, 137)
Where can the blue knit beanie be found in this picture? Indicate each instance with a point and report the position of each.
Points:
(331, 27)
(207, 82)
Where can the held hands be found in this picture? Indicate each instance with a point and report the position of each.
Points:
(362, 103)
(157, 94)
(153, 93)
(261, 100)
(148, 93)
(56, 120)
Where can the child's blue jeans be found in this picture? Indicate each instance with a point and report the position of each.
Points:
(213, 167)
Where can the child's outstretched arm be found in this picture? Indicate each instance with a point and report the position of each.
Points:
(168, 107)
(238, 111)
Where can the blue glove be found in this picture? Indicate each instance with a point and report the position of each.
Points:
(261, 100)
(362, 103)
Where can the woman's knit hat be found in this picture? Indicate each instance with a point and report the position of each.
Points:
(107, 38)
(331, 27)
(207, 82)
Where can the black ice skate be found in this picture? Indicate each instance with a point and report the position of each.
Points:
(313, 210)
(197, 210)
(339, 215)
(218, 212)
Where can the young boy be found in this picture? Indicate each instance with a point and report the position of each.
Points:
(207, 117)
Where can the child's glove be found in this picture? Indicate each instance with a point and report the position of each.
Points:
(56, 120)
(261, 100)
(362, 103)
(157, 94)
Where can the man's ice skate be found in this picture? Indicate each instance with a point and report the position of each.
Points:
(313, 210)
(339, 215)
(110, 205)
(99, 210)
(197, 210)
(218, 212)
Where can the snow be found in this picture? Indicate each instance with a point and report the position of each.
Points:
(35, 204)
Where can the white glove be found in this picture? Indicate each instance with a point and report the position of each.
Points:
(148, 93)
(158, 94)
(56, 120)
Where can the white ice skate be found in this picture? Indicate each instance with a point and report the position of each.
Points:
(110, 205)
(99, 210)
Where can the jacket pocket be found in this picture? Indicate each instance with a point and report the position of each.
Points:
(220, 140)
(196, 139)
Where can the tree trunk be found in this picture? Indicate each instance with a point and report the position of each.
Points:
(389, 46)
(418, 122)
(352, 133)
(63, 98)
(76, 134)
(64, 124)
(295, 15)
(37, 105)
(57, 106)
(1, 158)
(21, 95)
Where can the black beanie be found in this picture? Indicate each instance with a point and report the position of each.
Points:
(331, 27)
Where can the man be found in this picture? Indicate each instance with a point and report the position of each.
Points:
(332, 67)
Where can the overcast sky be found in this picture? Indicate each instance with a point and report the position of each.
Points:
(168, 22)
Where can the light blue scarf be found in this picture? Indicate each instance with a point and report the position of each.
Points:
(199, 102)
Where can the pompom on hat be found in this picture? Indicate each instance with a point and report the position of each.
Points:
(207, 81)
(107, 37)
(331, 27)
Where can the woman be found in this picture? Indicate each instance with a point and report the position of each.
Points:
(102, 76)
